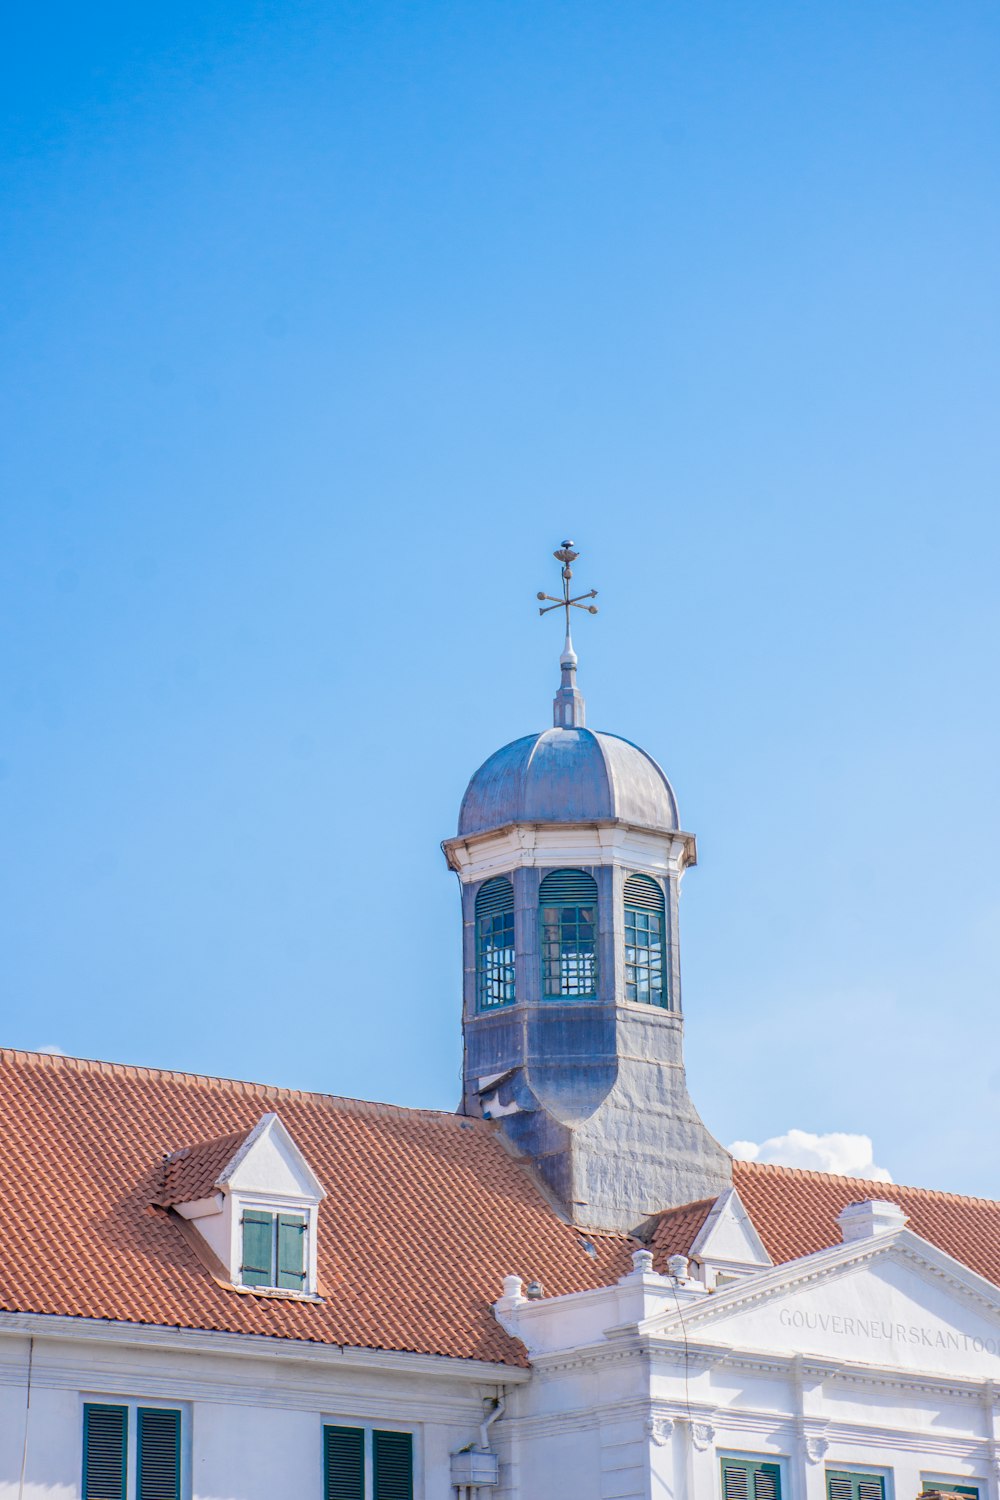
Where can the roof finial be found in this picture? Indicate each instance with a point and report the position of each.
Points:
(568, 711)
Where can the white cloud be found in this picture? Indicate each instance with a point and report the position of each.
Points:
(847, 1155)
(53, 1051)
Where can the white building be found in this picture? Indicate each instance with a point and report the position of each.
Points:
(213, 1290)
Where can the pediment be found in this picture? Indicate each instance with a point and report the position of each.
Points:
(891, 1300)
(270, 1163)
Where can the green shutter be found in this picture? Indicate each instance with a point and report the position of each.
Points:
(841, 1485)
(158, 1475)
(105, 1440)
(291, 1252)
(393, 1463)
(343, 1463)
(749, 1479)
(258, 1239)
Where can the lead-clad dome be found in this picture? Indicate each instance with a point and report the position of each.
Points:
(568, 776)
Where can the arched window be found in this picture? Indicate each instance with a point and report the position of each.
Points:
(567, 903)
(645, 928)
(494, 944)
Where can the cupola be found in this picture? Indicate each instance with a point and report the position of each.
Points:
(570, 855)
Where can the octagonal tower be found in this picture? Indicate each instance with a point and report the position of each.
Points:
(570, 856)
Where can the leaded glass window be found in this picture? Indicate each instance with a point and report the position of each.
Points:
(645, 967)
(567, 902)
(495, 944)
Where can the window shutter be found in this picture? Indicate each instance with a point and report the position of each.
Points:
(567, 888)
(159, 1465)
(845, 1486)
(291, 1251)
(494, 897)
(644, 893)
(343, 1463)
(746, 1479)
(258, 1233)
(393, 1456)
(105, 1436)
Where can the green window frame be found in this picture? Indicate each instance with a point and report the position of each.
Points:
(843, 1484)
(950, 1488)
(567, 914)
(750, 1479)
(645, 942)
(156, 1433)
(363, 1461)
(274, 1250)
(495, 967)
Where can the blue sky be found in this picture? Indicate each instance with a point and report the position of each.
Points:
(322, 325)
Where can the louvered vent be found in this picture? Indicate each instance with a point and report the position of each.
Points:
(159, 1473)
(393, 1465)
(735, 1482)
(644, 893)
(567, 888)
(838, 1489)
(495, 897)
(344, 1463)
(766, 1483)
(104, 1436)
(746, 1479)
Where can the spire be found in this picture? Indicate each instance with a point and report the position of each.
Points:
(568, 708)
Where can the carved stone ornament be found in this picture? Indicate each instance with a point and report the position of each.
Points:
(660, 1429)
(702, 1435)
(816, 1449)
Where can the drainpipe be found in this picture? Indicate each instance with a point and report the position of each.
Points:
(495, 1414)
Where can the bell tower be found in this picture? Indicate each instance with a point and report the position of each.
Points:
(570, 857)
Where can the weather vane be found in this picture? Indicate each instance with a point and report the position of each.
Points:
(568, 710)
(567, 557)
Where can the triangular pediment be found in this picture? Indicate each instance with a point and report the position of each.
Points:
(269, 1162)
(891, 1300)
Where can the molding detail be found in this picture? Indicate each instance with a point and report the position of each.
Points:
(816, 1449)
(702, 1435)
(660, 1429)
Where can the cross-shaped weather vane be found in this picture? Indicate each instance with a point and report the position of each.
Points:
(567, 557)
(568, 710)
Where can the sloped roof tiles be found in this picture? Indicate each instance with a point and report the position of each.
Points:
(425, 1212)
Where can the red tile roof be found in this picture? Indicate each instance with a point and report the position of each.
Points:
(675, 1231)
(795, 1213)
(425, 1212)
(193, 1172)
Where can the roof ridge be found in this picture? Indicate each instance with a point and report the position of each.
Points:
(242, 1085)
(885, 1188)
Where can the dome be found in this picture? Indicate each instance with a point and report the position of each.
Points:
(568, 776)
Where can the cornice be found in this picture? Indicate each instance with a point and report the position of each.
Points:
(259, 1347)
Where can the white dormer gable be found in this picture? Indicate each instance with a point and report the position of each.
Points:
(270, 1163)
(727, 1245)
(257, 1212)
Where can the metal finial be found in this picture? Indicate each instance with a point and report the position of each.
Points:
(568, 710)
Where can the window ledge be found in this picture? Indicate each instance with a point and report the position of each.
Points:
(283, 1294)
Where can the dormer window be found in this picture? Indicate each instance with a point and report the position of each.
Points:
(254, 1201)
(274, 1250)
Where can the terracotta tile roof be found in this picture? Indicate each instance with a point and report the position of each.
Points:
(425, 1212)
(675, 1231)
(193, 1172)
(795, 1213)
